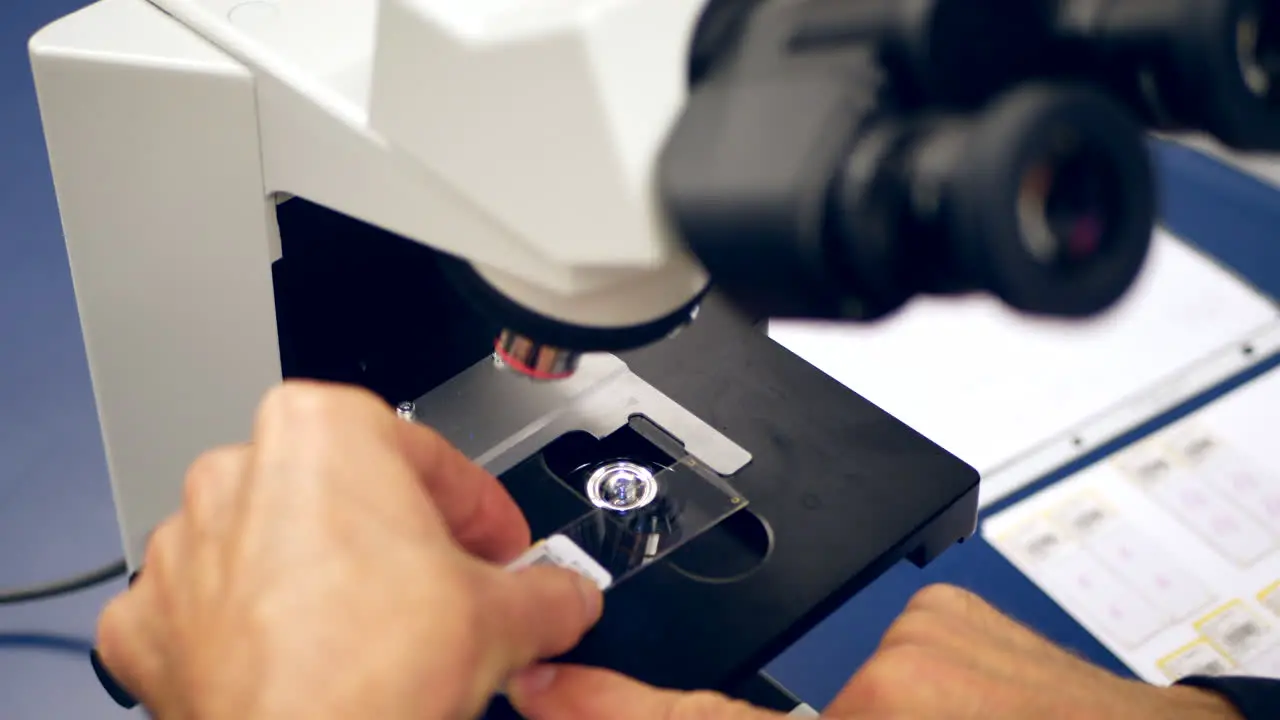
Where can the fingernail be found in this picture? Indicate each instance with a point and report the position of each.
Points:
(591, 597)
(532, 681)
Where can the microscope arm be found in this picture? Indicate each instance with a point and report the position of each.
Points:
(518, 137)
(586, 163)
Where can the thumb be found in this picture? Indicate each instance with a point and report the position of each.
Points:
(549, 692)
(537, 613)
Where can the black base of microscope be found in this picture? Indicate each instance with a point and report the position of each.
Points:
(838, 489)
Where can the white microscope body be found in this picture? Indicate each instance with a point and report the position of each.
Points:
(519, 136)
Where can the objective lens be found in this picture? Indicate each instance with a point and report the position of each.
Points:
(534, 360)
(1258, 50)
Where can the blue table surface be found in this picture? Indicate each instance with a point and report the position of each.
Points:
(56, 514)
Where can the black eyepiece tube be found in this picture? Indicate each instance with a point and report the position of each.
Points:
(1045, 198)
(845, 156)
(951, 52)
(1205, 66)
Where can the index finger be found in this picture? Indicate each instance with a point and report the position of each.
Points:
(480, 512)
(566, 692)
(342, 431)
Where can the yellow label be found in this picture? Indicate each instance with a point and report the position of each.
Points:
(1270, 597)
(1235, 629)
(1198, 657)
(1220, 610)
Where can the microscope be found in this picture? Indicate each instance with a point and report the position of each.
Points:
(554, 230)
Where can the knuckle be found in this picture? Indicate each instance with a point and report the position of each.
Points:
(209, 468)
(111, 626)
(883, 682)
(316, 407)
(116, 638)
(160, 545)
(913, 628)
(293, 400)
(941, 597)
(904, 661)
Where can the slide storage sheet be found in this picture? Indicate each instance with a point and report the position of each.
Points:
(1169, 551)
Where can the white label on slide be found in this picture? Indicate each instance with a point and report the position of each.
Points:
(560, 551)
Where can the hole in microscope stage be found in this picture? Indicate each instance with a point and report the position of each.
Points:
(730, 552)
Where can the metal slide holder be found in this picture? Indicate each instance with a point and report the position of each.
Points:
(638, 511)
(611, 474)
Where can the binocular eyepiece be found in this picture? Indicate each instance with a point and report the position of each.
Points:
(1044, 198)
(1202, 66)
(838, 157)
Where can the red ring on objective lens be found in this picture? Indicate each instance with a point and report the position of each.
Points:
(524, 369)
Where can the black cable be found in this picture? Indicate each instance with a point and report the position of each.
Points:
(66, 586)
(55, 642)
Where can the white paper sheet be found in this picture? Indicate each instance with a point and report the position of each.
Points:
(1169, 551)
(1017, 396)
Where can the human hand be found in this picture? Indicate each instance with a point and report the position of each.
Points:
(949, 656)
(344, 564)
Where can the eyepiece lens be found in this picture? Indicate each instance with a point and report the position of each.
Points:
(1053, 212)
(1066, 203)
(1258, 47)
